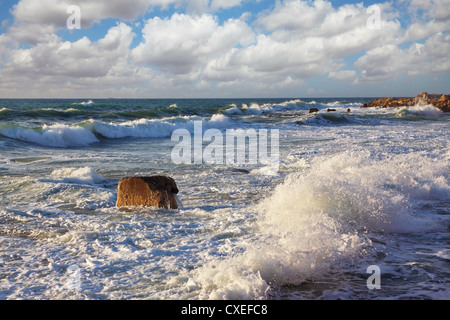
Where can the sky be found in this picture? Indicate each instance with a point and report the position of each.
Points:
(223, 48)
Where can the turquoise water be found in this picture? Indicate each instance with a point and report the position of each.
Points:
(353, 189)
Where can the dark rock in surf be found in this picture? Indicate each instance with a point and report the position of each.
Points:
(330, 110)
(153, 191)
(312, 110)
(238, 170)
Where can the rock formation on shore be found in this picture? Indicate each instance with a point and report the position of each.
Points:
(153, 191)
(440, 101)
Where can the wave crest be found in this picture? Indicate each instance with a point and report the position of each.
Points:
(420, 110)
(56, 135)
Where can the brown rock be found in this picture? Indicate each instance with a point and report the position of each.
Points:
(443, 105)
(153, 191)
(389, 102)
(330, 110)
(312, 110)
(440, 101)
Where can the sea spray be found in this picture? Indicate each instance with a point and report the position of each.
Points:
(85, 175)
(426, 111)
(360, 191)
(320, 220)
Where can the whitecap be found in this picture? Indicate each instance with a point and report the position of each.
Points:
(420, 110)
(219, 120)
(85, 175)
(56, 135)
(141, 128)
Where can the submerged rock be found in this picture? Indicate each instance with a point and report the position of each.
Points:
(153, 191)
(312, 110)
(238, 170)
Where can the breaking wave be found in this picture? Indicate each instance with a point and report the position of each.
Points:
(425, 111)
(89, 132)
(56, 135)
(319, 220)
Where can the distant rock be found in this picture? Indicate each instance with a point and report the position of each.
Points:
(153, 191)
(330, 110)
(390, 103)
(443, 103)
(440, 101)
(312, 110)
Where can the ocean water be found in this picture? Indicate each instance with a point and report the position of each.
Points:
(369, 187)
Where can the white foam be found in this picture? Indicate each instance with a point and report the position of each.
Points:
(258, 109)
(142, 128)
(254, 109)
(370, 194)
(444, 254)
(87, 103)
(421, 110)
(219, 120)
(56, 135)
(318, 219)
(228, 280)
(145, 128)
(233, 110)
(85, 175)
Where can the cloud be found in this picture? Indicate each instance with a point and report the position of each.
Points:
(390, 61)
(292, 15)
(427, 18)
(58, 63)
(343, 75)
(435, 9)
(37, 21)
(308, 39)
(195, 51)
(185, 43)
(224, 4)
(54, 12)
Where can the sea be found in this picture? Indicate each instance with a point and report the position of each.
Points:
(357, 207)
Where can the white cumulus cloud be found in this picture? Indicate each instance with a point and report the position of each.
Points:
(194, 50)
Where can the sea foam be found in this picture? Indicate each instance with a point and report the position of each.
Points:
(363, 192)
(142, 128)
(85, 175)
(420, 110)
(56, 135)
(318, 219)
(163, 128)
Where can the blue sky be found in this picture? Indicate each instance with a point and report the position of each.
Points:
(224, 48)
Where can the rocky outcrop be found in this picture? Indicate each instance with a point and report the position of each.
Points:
(440, 101)
(443, 103)
(153, 191)
(389, 103)
(313, 110)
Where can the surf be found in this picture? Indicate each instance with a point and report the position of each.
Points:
(55, 135)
